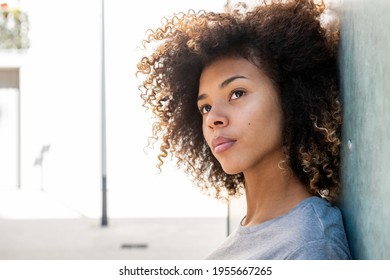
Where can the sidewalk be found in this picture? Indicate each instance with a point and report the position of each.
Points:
(71, 236)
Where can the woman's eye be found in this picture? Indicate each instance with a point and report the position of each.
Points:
(205, 109)
(237, 94)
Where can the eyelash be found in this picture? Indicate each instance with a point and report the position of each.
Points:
(242, 92)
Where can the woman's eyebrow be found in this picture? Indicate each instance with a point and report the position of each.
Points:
(231, 79)
(223, 84)
(201, 97)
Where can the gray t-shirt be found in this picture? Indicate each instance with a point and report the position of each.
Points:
(312, 230)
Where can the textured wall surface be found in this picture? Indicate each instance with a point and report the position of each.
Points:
(365, 73)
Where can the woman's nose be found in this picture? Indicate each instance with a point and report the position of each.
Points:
(217, 117)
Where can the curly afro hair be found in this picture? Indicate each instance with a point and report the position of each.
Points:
(288, 41)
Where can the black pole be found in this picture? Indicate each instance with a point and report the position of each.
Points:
(104, 202)
(103, 132)
(19, 137)
(228, 219)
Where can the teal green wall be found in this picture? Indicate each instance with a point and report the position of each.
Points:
(365, 76)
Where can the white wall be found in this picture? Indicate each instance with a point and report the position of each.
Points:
(60, 106)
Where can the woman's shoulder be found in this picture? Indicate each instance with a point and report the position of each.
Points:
(319, 211)
(319, 227)
(316, 216)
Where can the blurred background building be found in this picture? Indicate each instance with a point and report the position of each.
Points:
(51, 139)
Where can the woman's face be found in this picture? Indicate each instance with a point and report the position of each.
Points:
(242, 116)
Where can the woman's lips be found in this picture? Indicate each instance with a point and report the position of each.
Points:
(221, 144)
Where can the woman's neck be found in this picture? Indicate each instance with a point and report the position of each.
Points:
(271, 192)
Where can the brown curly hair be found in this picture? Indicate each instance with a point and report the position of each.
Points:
(286, 40)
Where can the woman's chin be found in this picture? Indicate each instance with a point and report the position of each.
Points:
(231, 170)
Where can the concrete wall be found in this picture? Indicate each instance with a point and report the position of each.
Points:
(365, 67)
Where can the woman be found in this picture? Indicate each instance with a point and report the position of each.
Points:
(249, 101)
